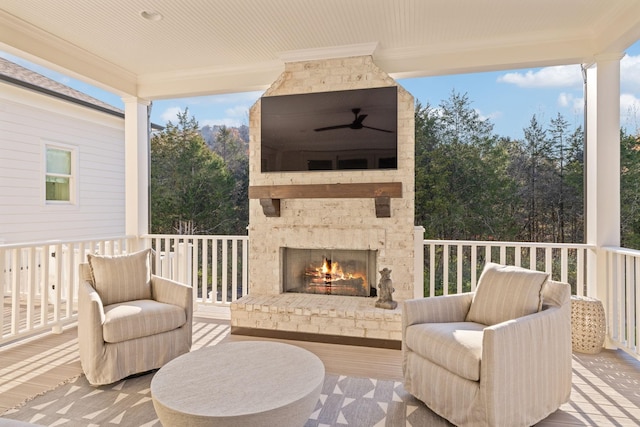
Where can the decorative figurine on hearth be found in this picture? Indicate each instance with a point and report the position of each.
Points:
(386, 289)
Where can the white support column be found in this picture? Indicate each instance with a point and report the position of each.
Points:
(136, 166)
(602, 177)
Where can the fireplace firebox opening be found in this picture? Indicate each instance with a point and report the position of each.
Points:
(329, 272)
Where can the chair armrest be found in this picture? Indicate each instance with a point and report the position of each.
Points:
(171, 292)
(90, 320)
(442, 309)
(525, 359)
(90, 307)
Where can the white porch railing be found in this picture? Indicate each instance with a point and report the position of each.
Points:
(216, 266)
(39, 283)
(464, 261)
(459, 263)
(623, 299)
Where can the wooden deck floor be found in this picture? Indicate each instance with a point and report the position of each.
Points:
(606, 386)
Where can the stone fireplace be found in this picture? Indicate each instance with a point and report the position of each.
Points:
(367, 215)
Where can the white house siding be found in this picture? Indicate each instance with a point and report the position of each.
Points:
(28, 120)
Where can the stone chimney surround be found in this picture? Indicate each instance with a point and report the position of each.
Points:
(363, 209)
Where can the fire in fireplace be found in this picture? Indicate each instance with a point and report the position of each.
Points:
(329, 272)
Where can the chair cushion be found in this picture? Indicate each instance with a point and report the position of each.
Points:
(505, 293)
(135, 319)
(456, 346)
(556, 293)
(121, 278)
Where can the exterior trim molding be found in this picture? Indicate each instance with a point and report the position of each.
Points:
(322, 53)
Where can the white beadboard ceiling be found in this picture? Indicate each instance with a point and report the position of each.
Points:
(216, 46)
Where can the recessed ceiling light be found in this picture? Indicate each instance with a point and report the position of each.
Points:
(151, 15)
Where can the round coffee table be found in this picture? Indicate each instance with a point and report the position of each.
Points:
(254, 383)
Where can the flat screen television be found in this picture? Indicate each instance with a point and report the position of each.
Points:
(351, 129)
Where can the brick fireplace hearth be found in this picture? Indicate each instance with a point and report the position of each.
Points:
(368, 210)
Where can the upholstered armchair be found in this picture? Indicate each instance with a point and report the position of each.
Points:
(500, 356)
(129, 320)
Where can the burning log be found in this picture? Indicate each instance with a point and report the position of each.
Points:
(331, 279)
(350, 287)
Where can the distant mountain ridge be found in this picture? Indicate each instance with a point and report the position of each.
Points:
(209, 133)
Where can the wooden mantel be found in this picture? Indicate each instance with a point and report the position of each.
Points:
(381, 192)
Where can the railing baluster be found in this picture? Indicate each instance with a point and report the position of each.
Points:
(615, 315)
(548, 261)
(214, 271)
(473, 263)
(224, 268)
(580, 272)
(460, 259)
(205, 269)
(533, 258)
(636, 298)
(628, 301)
(160, 256)
(5, 279)
(31, 288)
(564, 262)
(58, 286)
(432, 270)
(175, 259)
(445, 271)
(245, 267)
(16, 267)
(166, 267)
(517, 256)
(44, 286)
(195, 283)
(76, 285)
(234, 269)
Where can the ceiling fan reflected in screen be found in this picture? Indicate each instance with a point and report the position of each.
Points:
(312, 131)
(355, 124)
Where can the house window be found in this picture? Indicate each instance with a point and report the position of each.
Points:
(59, 177)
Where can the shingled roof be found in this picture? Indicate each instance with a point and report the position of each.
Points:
(20, 76)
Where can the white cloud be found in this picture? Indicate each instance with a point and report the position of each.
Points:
(630, 73)
(629, 101)
(237, 111)
(171, 114)
(234, 116)
(226, 109)
(558, 76)
(568, 100)
(571, 76)
(238, 98)
(564, 99)
(630, 111)
(491, 116)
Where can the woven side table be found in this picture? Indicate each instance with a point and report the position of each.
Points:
(588, 325)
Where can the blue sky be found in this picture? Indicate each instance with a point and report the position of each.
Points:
(508, 98)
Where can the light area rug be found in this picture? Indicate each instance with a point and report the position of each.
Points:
(344, 401)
